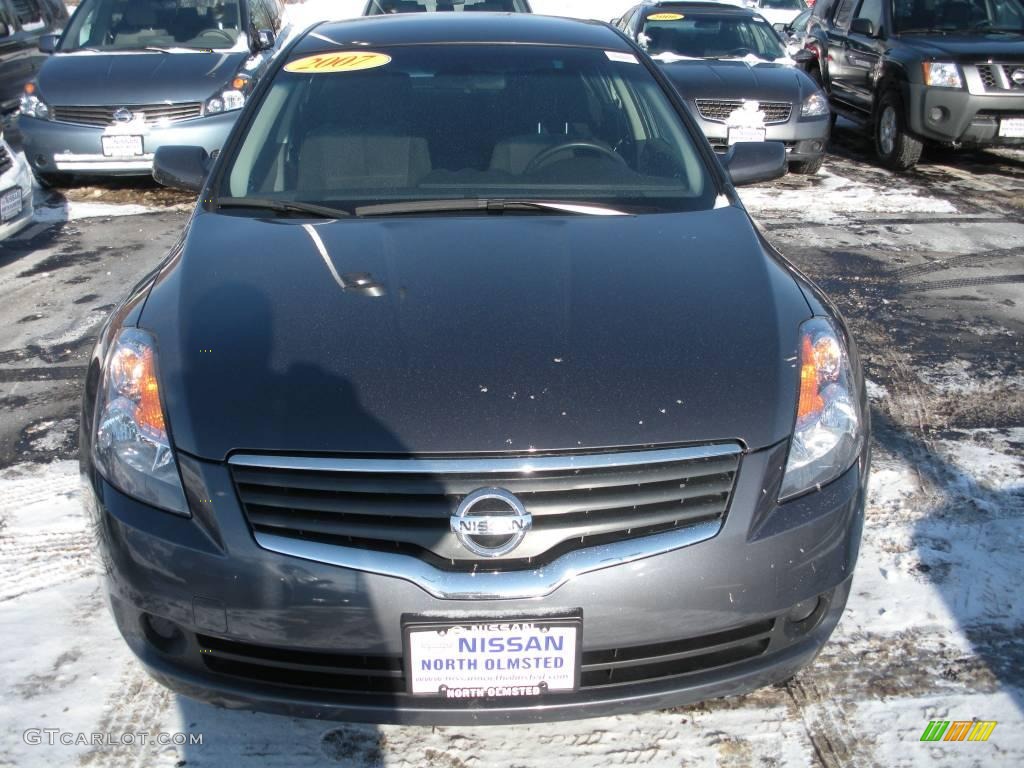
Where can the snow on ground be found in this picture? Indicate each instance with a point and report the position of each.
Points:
(846, 196)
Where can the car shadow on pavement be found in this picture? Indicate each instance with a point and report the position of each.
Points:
(966, 547)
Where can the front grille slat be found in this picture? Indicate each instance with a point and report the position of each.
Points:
(719, 110)
(103, 116)
(366, 676)
(398, 506)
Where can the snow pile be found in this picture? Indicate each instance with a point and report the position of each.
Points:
(845, 196)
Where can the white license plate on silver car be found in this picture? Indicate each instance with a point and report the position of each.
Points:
(10, 204)
(1012, 127)
(122, 146)
(737, 135)
(500, 659)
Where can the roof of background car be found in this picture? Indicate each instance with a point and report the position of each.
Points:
(416, 28)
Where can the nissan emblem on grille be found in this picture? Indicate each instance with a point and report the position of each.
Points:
(1018, 76)
(123, 115)
(491, 522)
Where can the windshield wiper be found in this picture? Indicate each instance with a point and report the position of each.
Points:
(925, 31)
(282, 206)
(484, 205)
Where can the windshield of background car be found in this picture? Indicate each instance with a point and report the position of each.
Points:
(782, 5)
(124, 25)
(959, 15)
(429, 122)
(711, 36)
(378, 7)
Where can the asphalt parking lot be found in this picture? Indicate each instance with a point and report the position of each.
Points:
(929, 270)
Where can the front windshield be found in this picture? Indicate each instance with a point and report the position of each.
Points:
(782, 5)
(378, 7)
(959, 15)
(430, 122)
(126, 25)
(711, 36)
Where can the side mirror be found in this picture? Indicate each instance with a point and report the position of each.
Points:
(48, 43)
(803, 56)
(750, 162)
(265, 39)
(181, 167)
(864, 27)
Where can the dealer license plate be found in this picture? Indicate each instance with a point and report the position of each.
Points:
(737, 135)
(493, 659)
(122, 146)
(10, 204)
(1012, 127)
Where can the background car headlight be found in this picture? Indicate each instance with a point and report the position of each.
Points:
(829, 429)
(131, 447)
(942, 73)
(814, 105)
(231, 98)
(32, 105)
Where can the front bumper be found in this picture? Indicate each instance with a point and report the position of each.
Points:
(967, 118)
(18, 176)
(804, 139)
(261, 630)
(54, 148)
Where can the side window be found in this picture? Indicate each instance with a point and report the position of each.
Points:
(28, 13)
(872, 11)
(259, 15)
(843, 14)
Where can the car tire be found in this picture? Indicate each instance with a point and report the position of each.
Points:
(807, 167)
(896, 147)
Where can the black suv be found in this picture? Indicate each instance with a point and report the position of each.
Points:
(22, 23)
(945, 71)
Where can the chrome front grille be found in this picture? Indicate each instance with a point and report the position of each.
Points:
(6, 161)
(718, 110)
(404, 506)
(155, 114)
(999, 77)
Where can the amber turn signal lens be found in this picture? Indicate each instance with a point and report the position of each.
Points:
(811, 403)
(239, 83)
(30, 88)
(148, 412)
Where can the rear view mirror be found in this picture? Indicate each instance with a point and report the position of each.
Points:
(750, 162)
(864, 27)
(47, 43)
(181, 167)
(803, 56)
(779, 27)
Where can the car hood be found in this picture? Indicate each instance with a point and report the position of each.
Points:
(95, 79)
(464, 334)
(698, 79)
(968, 47)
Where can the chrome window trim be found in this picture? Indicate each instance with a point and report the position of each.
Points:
(496, 465)
(501, 585)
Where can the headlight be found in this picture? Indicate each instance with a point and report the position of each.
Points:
(942, 73)
(231, 98)
(131, 447)
(828, 432)
(814, 105)
(32, 105)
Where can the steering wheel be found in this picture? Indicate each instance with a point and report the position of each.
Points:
(546, 157)
(221, 33)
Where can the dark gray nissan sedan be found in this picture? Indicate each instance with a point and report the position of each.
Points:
(471, 394)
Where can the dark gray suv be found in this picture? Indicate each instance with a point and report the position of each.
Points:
(472, 394)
